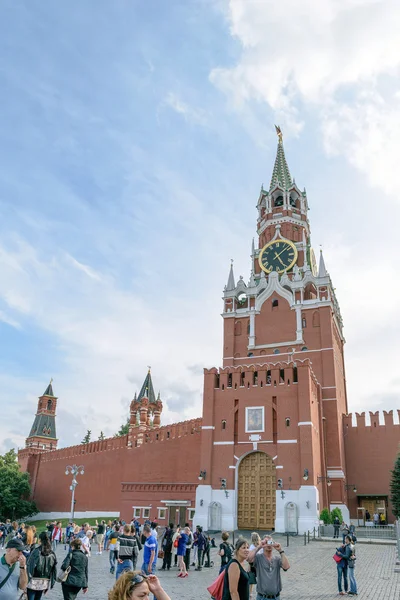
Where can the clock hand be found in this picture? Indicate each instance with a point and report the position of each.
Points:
(280, 260)
(282, 251)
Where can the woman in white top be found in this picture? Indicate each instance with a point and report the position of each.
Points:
(175, 548)
(255, 542)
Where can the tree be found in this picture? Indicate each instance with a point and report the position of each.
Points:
(14, 489)
(395, 488)
(101, 436)
(325, 516)
(336, 512)
(123, 430)
(87, 437)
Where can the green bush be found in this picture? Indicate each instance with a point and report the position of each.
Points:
(336, 513)
(325, 516)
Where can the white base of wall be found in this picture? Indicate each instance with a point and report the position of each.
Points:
(298, 511)
(222, 518)
(52, 516)
(344, 509)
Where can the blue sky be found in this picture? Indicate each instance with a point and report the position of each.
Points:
(135, 137)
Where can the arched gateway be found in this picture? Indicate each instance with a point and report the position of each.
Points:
(256, 492)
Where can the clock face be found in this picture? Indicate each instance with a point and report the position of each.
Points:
(278, 255)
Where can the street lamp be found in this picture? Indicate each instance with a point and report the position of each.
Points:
(74, 470)
(351, 486)
(322, 478)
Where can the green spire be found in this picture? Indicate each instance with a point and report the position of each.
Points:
(49, 390)
(281, 174)
(147, 390)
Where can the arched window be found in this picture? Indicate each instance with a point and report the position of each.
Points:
(304, 322)
(304, 349)
(216, 382)
(238, 328)
(268, 377)
(229, 380)
(281, 376)
(295, 380)
(278, 201)
(287, 422)
(275, 303)
(223, 424)
(255, 378)
(223, 387)
(242, 377)
(277, 351)
(49, 404)
(250, 354)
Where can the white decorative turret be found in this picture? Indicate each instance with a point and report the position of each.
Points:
(322, 272)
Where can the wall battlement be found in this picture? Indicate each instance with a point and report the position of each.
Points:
(167, 432)
(375, 422)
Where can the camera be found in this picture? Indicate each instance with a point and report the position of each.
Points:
(270, 542)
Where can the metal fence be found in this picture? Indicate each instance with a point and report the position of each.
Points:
(380, 532)
(397, 527)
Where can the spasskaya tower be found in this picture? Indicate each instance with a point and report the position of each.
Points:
(272, 443)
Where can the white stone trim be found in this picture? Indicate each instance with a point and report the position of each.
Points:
(279, 467)
(223, 443)
(335, 473)
(305, 423)
(262, 442)
(208, 426)
(329, 387)
(327, 399)
(232, 467)
(287, 442)
(275, 355)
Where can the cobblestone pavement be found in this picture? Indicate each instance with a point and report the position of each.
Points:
(312, 574)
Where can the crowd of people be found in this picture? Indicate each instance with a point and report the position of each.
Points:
(30, 561)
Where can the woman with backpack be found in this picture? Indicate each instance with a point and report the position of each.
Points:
(225, 551)
(41, 568)
(166, 545)
(77, 579)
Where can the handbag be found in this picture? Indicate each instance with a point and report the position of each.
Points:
(160, 554)
(216, 589)
(39, 584)
(62, 576)
(176, 543)
(337, 558)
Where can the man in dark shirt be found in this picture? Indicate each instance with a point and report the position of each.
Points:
(127, 553)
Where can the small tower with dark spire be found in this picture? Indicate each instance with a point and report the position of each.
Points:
(145, 412)
(43, 432)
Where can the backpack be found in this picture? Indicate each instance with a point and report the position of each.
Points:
(227, 553)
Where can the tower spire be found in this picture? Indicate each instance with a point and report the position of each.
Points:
(231, 279)
(322, 272)
(280, 175)
(147, 390)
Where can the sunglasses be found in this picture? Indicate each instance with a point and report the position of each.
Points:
(138, 579)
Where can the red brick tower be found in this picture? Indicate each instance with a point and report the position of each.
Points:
(145, 413)
(42, 437)
(272, 443)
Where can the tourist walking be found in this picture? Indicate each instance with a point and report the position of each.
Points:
(136, 586)
(175, 544)
(225, 551)
(342, 567)
(13, 576)
(101, 529)
(150, 551)
(136, 537)
(344, 530)
(268, 567)
(41, 568)
(181, 552)
(336, 527)
(166, 545)
(113, 545)
(127, 553)
(201, 547)
(77, 579)
(188, 546)
(376, 519)
(236, 582)
(56, 536)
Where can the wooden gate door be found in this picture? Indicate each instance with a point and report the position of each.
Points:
(256, 492)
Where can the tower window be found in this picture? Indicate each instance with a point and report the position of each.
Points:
(287, 422)
(277, 351)
(295, 380)
(255, 378)
(216, 382)
(235, 386)
(268, 377)
(250, 354)
(223, 387)
(49, 404)
(304, 349)
(278, 201)
(230, 380)
(242, 376)
(167, 435)
(304, 322)
(275, 303)
(223, 424)
(281, 376)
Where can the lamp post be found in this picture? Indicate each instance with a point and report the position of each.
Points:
(74, 470)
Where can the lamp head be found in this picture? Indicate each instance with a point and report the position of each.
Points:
(329, 482)
(305, 475)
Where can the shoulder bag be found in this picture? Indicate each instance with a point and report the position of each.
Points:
(39, 584)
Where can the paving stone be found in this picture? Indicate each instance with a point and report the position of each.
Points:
(312, 574)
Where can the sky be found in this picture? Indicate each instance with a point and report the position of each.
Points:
(134, 139)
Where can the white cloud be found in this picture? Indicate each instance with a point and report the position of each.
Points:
(189, 113)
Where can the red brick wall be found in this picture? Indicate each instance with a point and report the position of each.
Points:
(370, 455)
